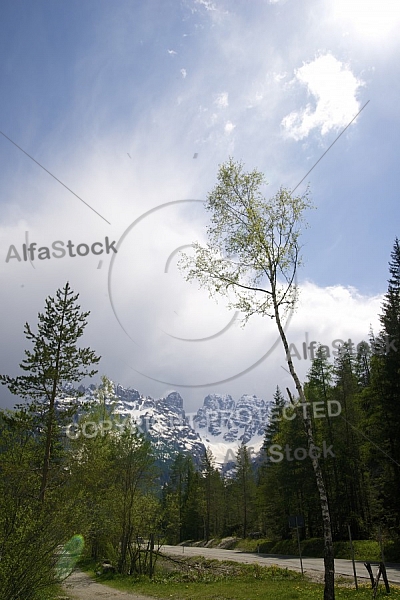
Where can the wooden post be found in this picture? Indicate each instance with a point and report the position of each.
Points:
(352, 558)
(382, 565)
(375, 582)
(298, 542)
(381, 545)
(384, 577)
(371, 575)
(151, 554)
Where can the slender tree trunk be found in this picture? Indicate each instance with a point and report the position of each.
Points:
(47, 452)
(329, 562)
(246, 508)
(51, 417)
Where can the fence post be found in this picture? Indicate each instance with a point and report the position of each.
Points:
(352, 557)
(298, 542)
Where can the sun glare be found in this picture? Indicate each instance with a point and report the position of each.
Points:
(373, 19)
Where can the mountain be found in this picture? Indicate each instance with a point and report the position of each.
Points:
(223, 425)
(220, 424)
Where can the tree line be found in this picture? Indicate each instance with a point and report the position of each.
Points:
(107, 489)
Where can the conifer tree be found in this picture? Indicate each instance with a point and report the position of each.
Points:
(386, 381)
(54, 360)
(246, 489)
(276, 417)
(211, 493)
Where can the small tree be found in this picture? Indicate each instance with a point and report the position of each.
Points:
(133, 474)
(91, 471)
(273, 426)
(54, 361)
(211, 497)
(246, 488)
(30, 538)
(253, 253)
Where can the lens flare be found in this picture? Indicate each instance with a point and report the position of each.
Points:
(69, 556)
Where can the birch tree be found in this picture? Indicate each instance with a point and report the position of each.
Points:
(252, 256)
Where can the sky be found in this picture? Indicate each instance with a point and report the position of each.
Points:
(130, 108)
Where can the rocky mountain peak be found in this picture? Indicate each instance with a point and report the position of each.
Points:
(174, 400)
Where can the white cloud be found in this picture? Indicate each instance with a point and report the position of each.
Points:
(183, 73)
(229, 127)
(279, 76)
(334, 88)
(172, 52)
(208, 5)
(222, 100)
(336, 312)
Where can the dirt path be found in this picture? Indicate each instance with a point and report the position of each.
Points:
(80, 586)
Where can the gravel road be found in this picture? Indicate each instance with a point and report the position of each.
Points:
(80, 587)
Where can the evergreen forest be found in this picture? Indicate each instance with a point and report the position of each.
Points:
(106, 497)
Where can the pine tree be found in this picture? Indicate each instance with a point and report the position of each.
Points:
(246, 489)
(177, 487)
(386, 383)
(54, 360)
(207, 468)
(352, 495)
(272, 428)
(192, 521)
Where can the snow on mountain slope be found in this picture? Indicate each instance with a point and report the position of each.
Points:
(220, 424)
(224, 425)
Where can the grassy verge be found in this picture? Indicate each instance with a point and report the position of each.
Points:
(55, 593)
(196, 578)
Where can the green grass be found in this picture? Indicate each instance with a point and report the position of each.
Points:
(248, 590)
(54, 593)
(199, 578)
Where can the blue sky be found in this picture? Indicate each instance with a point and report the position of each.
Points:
(115, 99)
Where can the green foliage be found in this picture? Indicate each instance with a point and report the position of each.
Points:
(55, 358)
(113, 476)
(193, 500)
(105, 488)
(54, 361)
(253, 243)
(30, 533)
(242, 492)
(252, 256)
(384, 406)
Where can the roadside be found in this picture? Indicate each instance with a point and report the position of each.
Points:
(311, 566)
(198, 578)
(80, 586)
